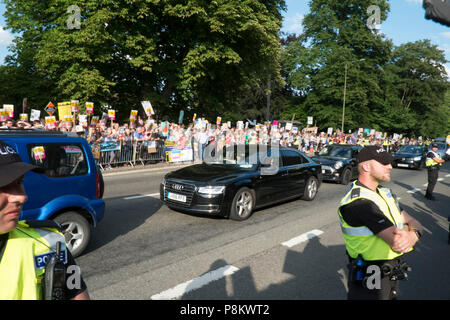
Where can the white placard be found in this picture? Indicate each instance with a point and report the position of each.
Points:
(35, 115)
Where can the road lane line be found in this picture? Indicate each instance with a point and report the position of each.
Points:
(441, 179)
(413, 190)
(195, 284)
(142, 196)
(302, 238)
(448, 175)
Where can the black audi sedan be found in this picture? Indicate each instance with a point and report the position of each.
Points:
(409, 156)
(242, 181)
(338, 162)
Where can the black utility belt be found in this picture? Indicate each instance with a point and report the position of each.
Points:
(361, 270)
(433, 168)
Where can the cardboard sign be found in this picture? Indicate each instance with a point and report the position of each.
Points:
(74, 106)
(133, 115)
(35, 115)
(148, 108)
(82, 118)
(50, 122)
(10, 109)
(64, 109)
(38, 153)
(89, 107)
(112, 114)
(94, 121)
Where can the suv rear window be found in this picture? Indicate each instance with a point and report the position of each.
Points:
(59, 160)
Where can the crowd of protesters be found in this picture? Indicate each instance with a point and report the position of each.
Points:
(199, 134)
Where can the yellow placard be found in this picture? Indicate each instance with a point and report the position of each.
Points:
(64, 109)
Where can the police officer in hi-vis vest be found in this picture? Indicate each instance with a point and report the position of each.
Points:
(27, 246)
(377, 233)
(433, 162)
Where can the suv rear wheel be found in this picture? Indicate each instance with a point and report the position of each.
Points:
(76, 230)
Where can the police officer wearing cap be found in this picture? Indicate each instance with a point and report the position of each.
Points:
(433, 162)
(25, 246)
(377, 233)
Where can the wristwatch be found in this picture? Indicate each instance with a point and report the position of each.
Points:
(417, 232)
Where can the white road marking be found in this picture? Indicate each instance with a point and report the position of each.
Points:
(425, 185)
(302, 238)
(142, 196)
(413, 191)
(195, 284)
(448, 175)
(441, 179)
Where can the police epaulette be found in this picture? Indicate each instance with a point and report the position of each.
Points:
(43, 224)
(356, 192)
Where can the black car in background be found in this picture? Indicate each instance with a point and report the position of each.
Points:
(409, 156)
(338, 162)
(236, 185)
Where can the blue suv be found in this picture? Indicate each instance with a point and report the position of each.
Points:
(70, 189)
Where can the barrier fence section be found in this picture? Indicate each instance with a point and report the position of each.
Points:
(131, 153)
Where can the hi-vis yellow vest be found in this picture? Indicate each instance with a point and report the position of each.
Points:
(360, 240)
(22, 265)
(430, 161)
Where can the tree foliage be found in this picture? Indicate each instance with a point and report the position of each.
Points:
(194, 54)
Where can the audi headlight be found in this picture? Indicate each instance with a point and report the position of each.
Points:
(338, 165)
(417, 158)
(211, 190)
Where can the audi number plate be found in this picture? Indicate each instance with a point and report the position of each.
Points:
(176, 197)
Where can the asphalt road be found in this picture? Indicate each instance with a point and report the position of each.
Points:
(292, 251)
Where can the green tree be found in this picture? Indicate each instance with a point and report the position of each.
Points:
(200, 56)
(420, 84)
(336, 37)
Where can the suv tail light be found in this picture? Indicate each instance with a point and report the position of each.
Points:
(97, 180)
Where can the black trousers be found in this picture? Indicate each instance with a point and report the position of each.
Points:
(432, 180)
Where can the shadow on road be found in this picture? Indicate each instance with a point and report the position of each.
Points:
(309, 276)
(122, 218)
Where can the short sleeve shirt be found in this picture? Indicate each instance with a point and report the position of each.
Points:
(365, 213)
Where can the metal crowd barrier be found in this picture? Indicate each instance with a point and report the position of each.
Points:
(132, 153)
